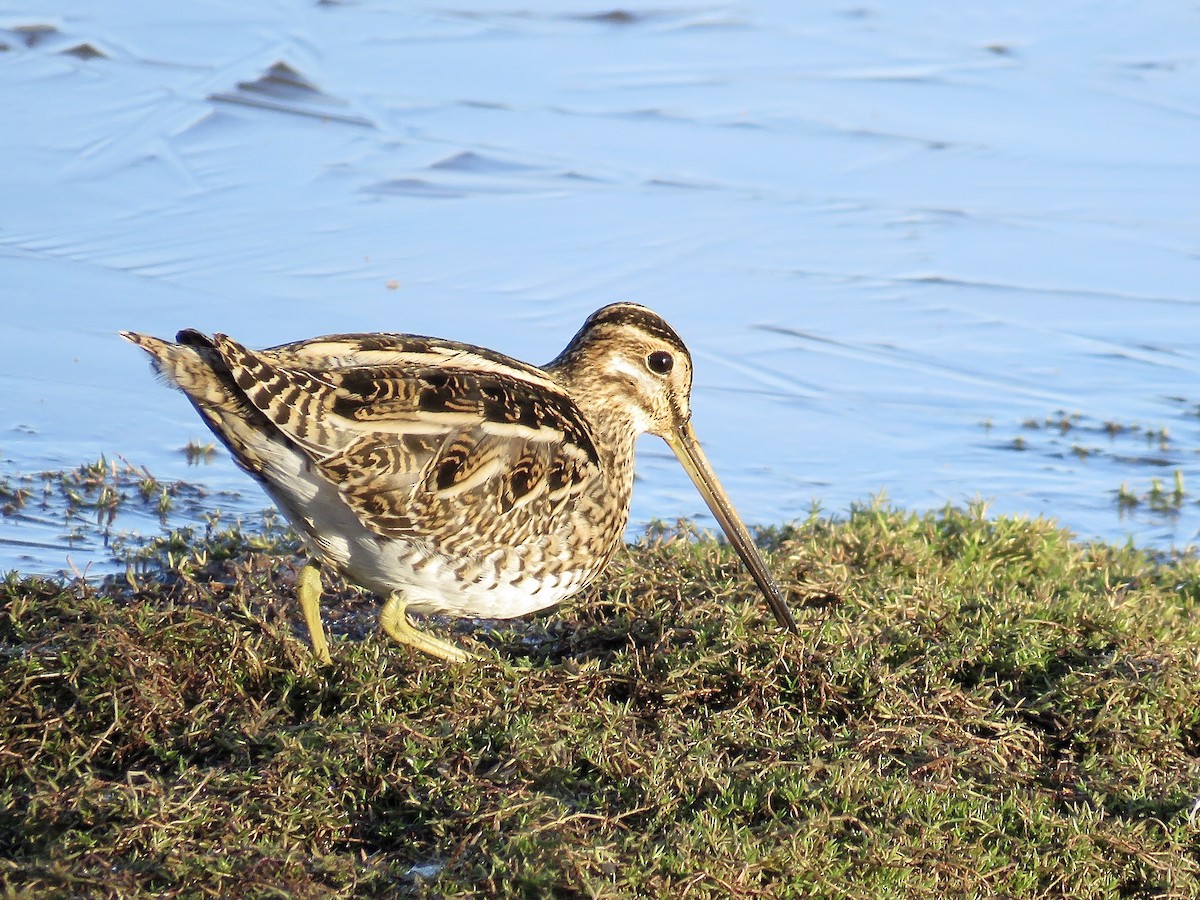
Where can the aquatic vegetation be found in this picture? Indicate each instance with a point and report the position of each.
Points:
(1157, 498)
(109, 508)
(197, 452)
(1127, 447)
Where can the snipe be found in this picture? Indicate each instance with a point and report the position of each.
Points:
(449, 478)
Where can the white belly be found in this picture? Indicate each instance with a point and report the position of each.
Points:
(494, 586)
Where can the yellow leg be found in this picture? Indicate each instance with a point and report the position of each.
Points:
(394, 620)
(308, 592)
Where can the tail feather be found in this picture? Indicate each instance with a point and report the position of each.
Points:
(196, 367)
(189, 368)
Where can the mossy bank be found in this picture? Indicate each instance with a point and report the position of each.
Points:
(974, 707)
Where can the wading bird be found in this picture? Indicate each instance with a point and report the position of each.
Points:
(448, 478)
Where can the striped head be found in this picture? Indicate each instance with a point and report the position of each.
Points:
(627, 355)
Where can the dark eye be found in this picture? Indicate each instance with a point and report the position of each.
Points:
(660, 362)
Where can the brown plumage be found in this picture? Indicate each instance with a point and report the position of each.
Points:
(446, 477)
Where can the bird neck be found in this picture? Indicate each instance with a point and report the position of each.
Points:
(613, 420)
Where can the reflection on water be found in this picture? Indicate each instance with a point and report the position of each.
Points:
(894, 236)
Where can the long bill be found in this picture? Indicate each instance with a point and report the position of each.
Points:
(687, 449)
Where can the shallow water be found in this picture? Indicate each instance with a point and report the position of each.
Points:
(891, 233)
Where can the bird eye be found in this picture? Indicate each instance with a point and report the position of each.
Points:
(660, 362)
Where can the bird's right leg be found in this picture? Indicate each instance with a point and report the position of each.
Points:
(308, 592)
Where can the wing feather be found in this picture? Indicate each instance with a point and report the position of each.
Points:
(408, 440)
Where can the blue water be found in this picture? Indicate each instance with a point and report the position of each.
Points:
(892, 234)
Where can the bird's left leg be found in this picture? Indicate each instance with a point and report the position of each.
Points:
(308, 592)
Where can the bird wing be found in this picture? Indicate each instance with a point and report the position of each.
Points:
(411, 428)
